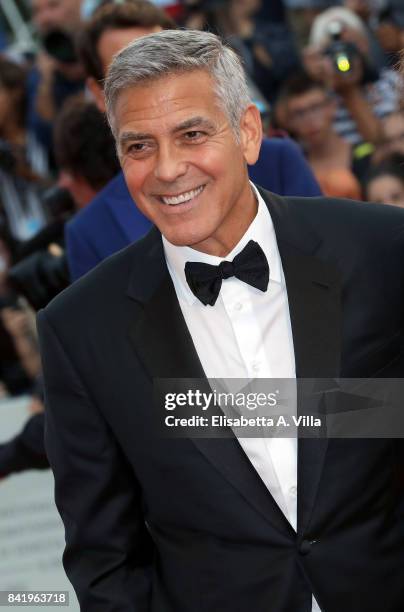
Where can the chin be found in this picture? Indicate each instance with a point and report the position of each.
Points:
(184, 238)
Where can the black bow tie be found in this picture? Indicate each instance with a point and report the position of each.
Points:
(249, 266)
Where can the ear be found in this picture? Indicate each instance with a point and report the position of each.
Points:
(97, 92)
(251, 133)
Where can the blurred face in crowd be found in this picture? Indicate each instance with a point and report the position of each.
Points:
(309, 116)
(393, 128)
(110, 43)
(386, 189)
(182, 162)
(80, 190)
(53, 14)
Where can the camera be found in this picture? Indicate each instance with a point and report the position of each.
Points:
(60, 45)
(41, 271)
(340, 52)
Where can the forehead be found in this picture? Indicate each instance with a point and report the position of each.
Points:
(160, 104)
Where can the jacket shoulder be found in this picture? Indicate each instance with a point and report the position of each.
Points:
(98, 206)
(98, 290)
(343, 215)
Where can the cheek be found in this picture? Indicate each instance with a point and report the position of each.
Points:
(223, 166)
(136, 175)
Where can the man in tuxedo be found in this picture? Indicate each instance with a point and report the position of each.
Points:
(231, 282)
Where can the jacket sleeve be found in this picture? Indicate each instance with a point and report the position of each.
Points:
(80, 256)
(108, 549)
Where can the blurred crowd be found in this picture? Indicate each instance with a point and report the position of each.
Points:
(323, 74)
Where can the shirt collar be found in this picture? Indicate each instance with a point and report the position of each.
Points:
(261, 230)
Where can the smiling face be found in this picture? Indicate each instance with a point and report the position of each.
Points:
(182, 162)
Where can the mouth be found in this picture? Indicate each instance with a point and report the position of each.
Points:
(182, 198)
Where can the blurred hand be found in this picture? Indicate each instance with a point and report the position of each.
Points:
(46, 65)
(16, 322)
(262, 56)
(3, 391)
(360, 7)
(321, 68)
(317, 65)
(35, 406)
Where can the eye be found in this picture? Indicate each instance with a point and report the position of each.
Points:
(138, 149)
(194, 135)
(137, 146)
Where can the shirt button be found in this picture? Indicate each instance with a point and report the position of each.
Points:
(256, 366)
(293, 491)
(238, 306)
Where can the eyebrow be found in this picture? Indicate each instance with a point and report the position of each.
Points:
(185, 125)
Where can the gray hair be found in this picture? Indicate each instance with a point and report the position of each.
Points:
(177, 51)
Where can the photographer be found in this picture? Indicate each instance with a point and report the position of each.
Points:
(57, 74)
(337, 56)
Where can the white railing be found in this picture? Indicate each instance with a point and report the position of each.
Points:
(21, 31)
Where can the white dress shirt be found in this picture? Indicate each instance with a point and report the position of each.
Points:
(247, 334)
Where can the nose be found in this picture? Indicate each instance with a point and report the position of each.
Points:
(170, 164)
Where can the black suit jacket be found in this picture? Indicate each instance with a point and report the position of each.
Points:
(186, 525)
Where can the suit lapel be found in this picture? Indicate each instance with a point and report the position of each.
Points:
(314, 296)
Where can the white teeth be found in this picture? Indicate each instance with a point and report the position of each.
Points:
(183, 197)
